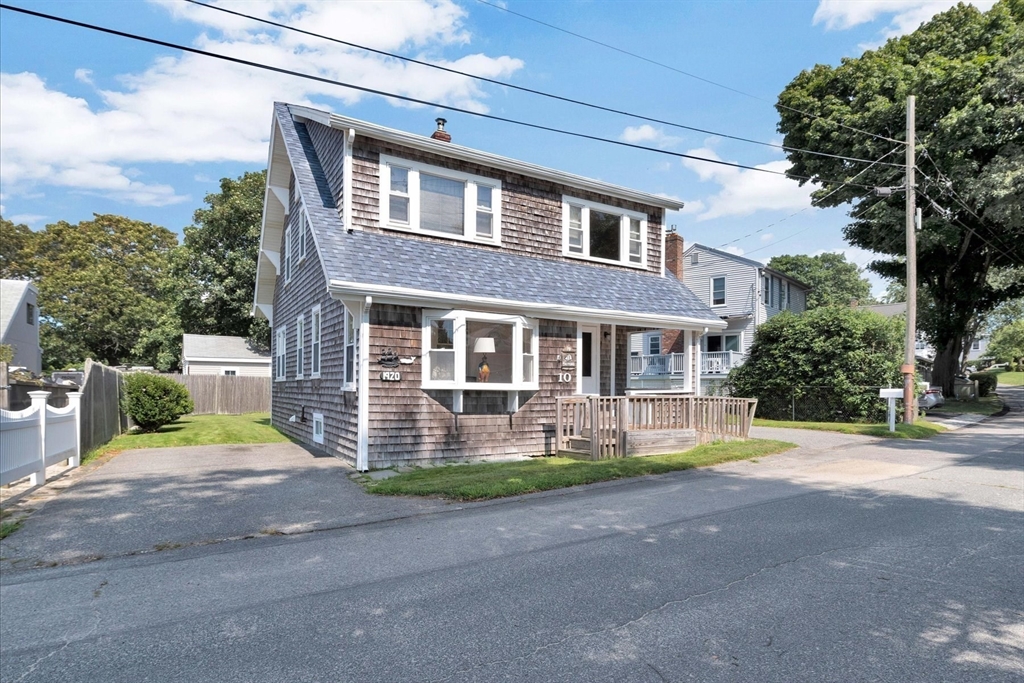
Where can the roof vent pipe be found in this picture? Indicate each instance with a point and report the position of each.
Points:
(440, 133)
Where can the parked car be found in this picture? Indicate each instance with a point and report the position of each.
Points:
(931, 398)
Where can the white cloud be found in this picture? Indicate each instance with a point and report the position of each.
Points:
(193, 109)
(905, 15)
(647, 134)
(734, 250)
(767, 237)
(26, 218)
(744, 192)
(695, 206)
(84, 76)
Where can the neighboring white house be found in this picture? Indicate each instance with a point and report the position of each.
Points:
(207, 354)
(924, 350)
(743, 292)
(19, 322)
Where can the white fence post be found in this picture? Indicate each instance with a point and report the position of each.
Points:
(75, 401)
(38, 477)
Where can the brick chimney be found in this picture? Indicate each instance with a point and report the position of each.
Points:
(674, 254)
(440, 133)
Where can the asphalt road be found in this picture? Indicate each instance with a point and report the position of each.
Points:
(850, 559)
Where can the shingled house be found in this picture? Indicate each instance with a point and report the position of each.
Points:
(429, 301)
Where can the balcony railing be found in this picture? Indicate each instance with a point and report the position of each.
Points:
(720, 362)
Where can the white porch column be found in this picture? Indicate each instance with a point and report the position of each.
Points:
(697, 364)
(363, 398)
(38, 477)
(614, 344)
(75, 401)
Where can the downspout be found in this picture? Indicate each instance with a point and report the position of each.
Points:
(363, 400)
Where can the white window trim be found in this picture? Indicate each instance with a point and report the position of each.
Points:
(300, 350)
(459, 318)
(711, 291)
(349, 324)
(624, 216)
(287, 255)
(315, 311)
(318, 418)
(469, 208)
(224, 371)
(281, 354)
(303, 229)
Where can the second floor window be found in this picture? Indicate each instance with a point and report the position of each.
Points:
(718, 291)
(30, 314)
(439, 201)
(600, 232)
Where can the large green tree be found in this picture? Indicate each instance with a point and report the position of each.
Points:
(216, 266)
(17, 247)
(101, 286)
(967, 70)
(834, 281)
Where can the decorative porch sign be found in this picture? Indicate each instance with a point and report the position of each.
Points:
(389, 359)
(390, 376)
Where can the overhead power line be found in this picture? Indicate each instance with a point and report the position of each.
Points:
(532, 91)
(404, 98)
(684, 73)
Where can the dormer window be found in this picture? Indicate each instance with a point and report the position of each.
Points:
(439, 201)
(599, 232)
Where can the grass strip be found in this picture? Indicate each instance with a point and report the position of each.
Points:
(922, 429)
(197, 430)
(1011, 379)
(498, 480)
(989, 405)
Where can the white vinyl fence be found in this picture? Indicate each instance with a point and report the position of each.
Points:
(39, 436)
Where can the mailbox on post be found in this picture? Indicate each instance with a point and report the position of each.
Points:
(891, 395)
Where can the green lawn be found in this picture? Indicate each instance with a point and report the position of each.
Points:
(498, 480)
(921, 429)
(198, 430)
(8, 527)
(1011, 379)
(990, 405)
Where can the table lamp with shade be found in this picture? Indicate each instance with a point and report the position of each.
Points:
(483, 345)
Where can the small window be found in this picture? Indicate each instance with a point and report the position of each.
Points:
(732, 342)
(30, 313)
(300, 347)
(603, 233)
(975, 345)
(287, 257)
(484, 212)
(694, 258)
(303, 228)
(783, 288)
(654, 345)
(318, 428)
(314, 341)
(295, 246)
(281, 351)
(718, 291)
(714, 343)
(350, 348)
(575, 229)
(636, 245)
(229, 372)
(766, 290)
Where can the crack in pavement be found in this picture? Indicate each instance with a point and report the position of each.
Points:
(653, 610)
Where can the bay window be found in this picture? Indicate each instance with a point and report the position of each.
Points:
(481, 351)
(604, 233)
(439, 201)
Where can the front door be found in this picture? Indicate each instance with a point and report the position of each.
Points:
(590, 359)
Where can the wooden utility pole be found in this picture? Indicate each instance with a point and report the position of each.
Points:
(909, 353)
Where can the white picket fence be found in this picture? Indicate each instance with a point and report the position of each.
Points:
(39, 436)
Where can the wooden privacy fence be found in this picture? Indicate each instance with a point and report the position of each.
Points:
(227, 394)
(39, 436)
(102, 418)
(602, 425)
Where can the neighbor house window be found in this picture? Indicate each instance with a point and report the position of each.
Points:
(30, 313)
(314, 341)
(718, 291)
(783, 299)
(229, 372)
(654, 345)
(766, 290)
(440, 201)
(603, 233)
(281, 351)
(318, 428)
(350, 349)
(300, 350)
(469, 350)
(694, 259)
(717, 343)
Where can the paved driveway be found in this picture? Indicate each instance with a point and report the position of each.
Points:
(159, 498)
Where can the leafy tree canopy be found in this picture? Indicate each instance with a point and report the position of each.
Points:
(101, 285)
(829, 361)
(967, 70)
(834, 281)
(1007, 344)
(216, 267)
(16, 250)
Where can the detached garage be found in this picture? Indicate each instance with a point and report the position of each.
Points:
(203, 354)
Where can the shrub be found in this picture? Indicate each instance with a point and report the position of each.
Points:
(153, 401)
(987, 382)
(825, 365)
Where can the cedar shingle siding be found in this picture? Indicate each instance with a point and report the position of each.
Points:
(324, 395)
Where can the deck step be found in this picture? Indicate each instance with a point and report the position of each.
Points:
(575, 454)
(579, 443)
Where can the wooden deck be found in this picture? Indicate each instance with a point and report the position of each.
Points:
(602, 427)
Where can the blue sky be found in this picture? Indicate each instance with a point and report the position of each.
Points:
(91, 123)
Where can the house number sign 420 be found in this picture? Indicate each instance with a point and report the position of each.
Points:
(390, 376)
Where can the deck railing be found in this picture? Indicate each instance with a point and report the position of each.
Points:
(666, 364)
(601, 422)
(720, 362)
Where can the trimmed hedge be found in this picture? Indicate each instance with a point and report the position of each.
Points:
(987, 382)
(152, 401)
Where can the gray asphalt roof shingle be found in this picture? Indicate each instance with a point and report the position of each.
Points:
(454, 269)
